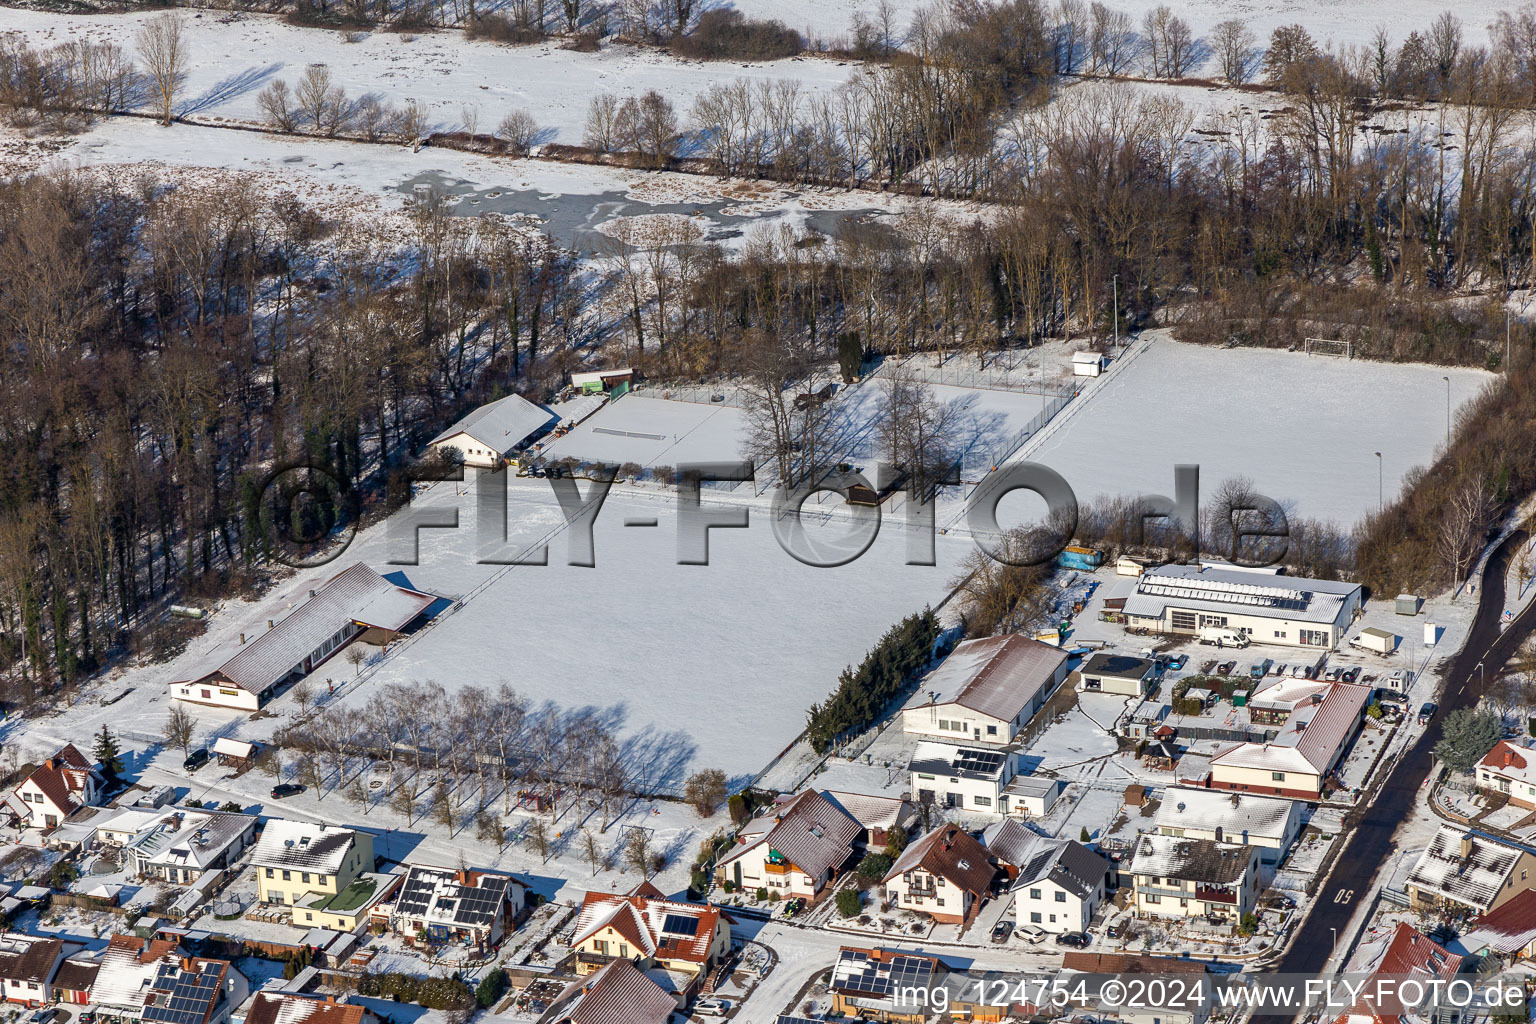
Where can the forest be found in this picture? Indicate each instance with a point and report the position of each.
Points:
(168, 341)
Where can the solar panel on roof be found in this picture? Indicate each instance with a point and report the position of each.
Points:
(977, 761)
(680, 924)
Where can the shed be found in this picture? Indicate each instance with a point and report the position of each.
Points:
(1136, 794)
(1408, 604)
(1086, 364)
(237, 753)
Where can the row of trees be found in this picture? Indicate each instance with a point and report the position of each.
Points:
(864, 693)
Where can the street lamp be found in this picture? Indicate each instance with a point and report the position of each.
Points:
(1335, 936)
(1482, 687)
(1447, 413)
(1380, 487)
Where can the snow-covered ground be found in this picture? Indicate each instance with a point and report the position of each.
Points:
(653, 431)
(1303, 428)
(234, 56)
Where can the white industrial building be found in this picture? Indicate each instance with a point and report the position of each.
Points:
(1285, 611)
(492, 432)
(1268, 824)
(986, 690)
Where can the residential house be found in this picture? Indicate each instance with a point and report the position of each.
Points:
(946, 874)
(1268, 824)
(1188, 1001)
(986, 690)
(1119, 674)
(793, 851)
(968, 778)
(492, 432)
(153, 981)
(28, 964)
(175, 844)
(1300, 761)
(303, 1008)
(1386, 962)
(356, 604)
(1060, 884)
(1467, 870)
(1183, 878)
(880, 815)
(1267, 607)
(75, 978)
(875, 984)
(619, 993)
(685, 939)
(468, 906)
(57, 788)
(1509, 931)
(1276, 698)
(1509, 769)
(298, 862)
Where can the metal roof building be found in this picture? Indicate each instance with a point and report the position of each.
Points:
(492, 431)
(1288, 611)
(986, 690)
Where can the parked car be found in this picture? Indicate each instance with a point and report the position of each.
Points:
(1280, 900)
(1350, 674)
(1113, 931)
(1077, 940)
(1177, 662)
(1428, 711)
(283, 789)
(1033, 934)
(1282, 669)
(1002, 931)
(196, 760)
(1260, 669)
(711, 1007)
(44, 1015)
(1226, 668)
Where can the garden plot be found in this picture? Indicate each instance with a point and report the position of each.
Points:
(1303, 428)
(654, 432)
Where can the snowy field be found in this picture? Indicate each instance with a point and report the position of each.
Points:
(1304, 429)
(652, 432)
(235, 56)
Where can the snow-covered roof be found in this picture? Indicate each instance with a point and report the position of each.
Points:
(1193, 860)
(464, 899)
(1464, 867)
(128, 969)
(357, 594)
(1506, 929)
(873, 812)
(668, 929)
(1402, 954)
(28, 958)
(617, 993)
(228, 747)
(501, 425)
(1065, 862)
(997, 676)
(1287, 693)
(1511, 761)
(302, 1008)
(1293, 598)
(321, 847)
(931, 758)
(1239, 817)
(1310, 743)
(188, 838)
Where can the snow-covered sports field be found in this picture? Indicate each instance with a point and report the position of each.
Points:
(1304, 428)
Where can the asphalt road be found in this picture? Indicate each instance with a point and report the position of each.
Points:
(1370, 840)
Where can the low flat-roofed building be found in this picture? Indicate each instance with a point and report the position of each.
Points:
(1266, 823)
(1118, 674)
(1288, 611)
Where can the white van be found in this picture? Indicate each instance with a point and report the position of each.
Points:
(1219, 637)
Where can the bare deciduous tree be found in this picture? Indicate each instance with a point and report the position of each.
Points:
(162, 47)
(179, 726)
(1233, 42)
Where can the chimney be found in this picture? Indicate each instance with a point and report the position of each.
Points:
(242, 638)
(311, 593)
(1466, 845)
(269, 623)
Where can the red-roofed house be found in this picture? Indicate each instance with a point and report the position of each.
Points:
(620, 993)
(945, 874)
(1507, 930)
(59, 786)
(301, 1008)
(646, 927)
(1406, 954)
(1509, 769)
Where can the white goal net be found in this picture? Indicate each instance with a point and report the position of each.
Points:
(1328, 347)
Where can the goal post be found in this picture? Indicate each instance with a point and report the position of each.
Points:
(1328, 347)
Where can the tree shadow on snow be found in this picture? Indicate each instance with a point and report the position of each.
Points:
(235, 85)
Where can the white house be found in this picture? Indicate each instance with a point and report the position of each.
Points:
(1301, 759)
(945, 874)
(28, 964)
(965, 778)
(1119, 674)
(1509, 769)
(177, 845)
(1266, 823)
(986, 690)
(57, 788)
(1060, 884)
(1287, 611)
(492, 432)
(355, 604)
(1195, 878)
(465, 906)
(793, 851)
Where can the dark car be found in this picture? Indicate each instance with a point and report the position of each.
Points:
(1002, 931)
(1077, 940)
(286, 789)
(195, 760)
(1351, 674)
(1427, 712)
(1225, 668)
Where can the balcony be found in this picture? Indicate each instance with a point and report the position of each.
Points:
(1214, 894)
(781, 868)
